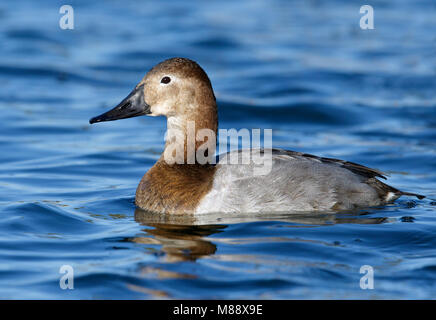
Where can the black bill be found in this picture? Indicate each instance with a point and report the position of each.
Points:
(132, 106)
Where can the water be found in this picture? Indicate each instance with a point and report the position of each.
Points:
(303, 68)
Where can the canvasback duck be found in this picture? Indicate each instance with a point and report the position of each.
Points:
(180, 89)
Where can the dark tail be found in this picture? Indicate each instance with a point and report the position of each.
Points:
(420, 197)
(389, 193)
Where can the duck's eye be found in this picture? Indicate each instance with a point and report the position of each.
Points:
(165, 80)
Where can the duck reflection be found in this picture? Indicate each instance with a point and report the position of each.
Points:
(185, 238)
(181, 239)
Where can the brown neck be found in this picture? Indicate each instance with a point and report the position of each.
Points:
(191, 139)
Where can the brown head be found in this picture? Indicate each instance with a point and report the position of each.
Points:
(176, 88)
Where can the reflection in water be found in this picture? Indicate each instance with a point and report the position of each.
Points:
(184, 238)
(180, 238)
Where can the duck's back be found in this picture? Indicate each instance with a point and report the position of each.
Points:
(295, 182)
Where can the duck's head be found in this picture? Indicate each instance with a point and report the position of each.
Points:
(176, 88)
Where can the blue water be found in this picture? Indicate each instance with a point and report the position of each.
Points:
(302, 68)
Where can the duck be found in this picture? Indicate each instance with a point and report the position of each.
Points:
(180, 183)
